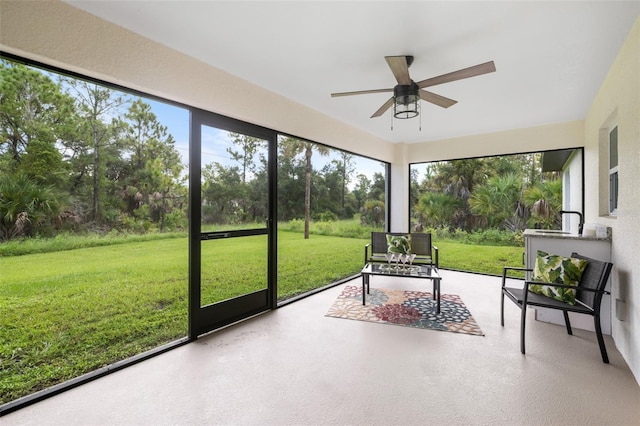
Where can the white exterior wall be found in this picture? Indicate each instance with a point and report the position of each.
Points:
(539, 138)
(619, 99)
(572, 192)
(399, 202)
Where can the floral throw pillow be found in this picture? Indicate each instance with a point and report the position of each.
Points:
(556, 269)
(399, 244)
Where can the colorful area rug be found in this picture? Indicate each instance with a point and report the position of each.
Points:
(407, 308)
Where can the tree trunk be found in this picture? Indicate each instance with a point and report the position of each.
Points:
(96, 172)
(307, 191)
(163, 211)
(344, 183)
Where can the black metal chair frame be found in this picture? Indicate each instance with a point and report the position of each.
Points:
(589, 294)
(426, 254)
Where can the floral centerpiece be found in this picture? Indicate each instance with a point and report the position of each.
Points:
(399, 250)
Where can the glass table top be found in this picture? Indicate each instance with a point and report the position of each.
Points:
(393, 269)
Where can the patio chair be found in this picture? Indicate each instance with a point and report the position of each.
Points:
(588, 298)
(426, 254)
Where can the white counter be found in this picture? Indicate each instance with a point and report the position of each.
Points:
(563, 244)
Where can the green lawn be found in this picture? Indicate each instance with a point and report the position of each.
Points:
(478, 258)
(69, 312)
(65, 313)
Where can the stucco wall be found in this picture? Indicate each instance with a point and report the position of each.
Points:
(572, 191)
(540, 138)
(619, 99)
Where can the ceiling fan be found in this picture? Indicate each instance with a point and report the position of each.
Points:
(407, 93)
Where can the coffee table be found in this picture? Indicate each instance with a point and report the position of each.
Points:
(415, 271)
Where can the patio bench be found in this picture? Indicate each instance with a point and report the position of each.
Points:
(588, 297)
(426, 253)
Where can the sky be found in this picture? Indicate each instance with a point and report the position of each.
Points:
(215, 142)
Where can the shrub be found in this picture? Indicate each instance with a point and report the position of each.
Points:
(326, 216)
(338, 228)
(175, 220)
(493, 237)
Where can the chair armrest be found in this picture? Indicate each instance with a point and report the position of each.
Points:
(436, 256)
(512, 268)
(366, 254)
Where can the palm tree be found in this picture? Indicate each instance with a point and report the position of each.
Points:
(497, 199)
(458, 177)
(545, 201)
(24, 206)
(294, 147)
(440, 210)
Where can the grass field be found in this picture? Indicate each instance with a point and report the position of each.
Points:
(485, 259)
(65, 313)
(68, 312)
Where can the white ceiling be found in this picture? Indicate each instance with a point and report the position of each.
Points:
(551, 57)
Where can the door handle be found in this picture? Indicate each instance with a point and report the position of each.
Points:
(216, 236)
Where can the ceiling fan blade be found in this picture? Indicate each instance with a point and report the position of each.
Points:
(385, 106)
(360, 92)
(399, 68)
(436, 99)
(485, 68)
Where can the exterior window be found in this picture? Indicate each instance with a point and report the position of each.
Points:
(613, 171)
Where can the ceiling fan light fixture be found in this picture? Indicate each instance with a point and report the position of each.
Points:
(404, 112)
(406, 100)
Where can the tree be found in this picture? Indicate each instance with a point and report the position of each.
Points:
(497, 199)
(43, 163)
(221, 198)
(32, 107)
(96, 104)
(490, 189)
(258, 196)
(361, 190)
(165, 176)
(440, 210)
(414, 186)
(252, 160)
(328, 191)
(348, 167)
(291, 184)
(378, 187)
(372, 213)
(245, 156)
(34, 116)
(294, 147)
(25, 206)
(154, 163)
(547, 193)
(458, 178)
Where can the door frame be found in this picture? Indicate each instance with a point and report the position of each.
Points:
(203, 319)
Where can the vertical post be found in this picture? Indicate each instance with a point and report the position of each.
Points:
(272, 222)
(195, 202)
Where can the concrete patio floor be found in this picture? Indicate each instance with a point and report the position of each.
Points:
(294, 366)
